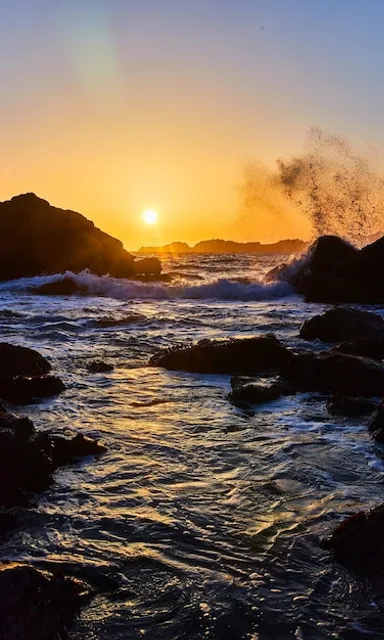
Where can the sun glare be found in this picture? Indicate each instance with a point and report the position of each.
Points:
(150, 216)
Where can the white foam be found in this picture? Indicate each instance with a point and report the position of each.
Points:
(220, 289)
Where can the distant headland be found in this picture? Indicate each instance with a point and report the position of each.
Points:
(229, 246)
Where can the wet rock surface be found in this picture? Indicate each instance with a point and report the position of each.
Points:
(21, 361)
(248, 391)
(366, 347)
(100, 366)
(343, 324)
(37, 605)
(62, 287)
(376, 426)
(350, 406)
(28, 390)
(243, 355)
(335, 373)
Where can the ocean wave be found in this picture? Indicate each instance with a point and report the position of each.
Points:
(120, 289)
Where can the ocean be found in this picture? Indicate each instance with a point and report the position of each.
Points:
(204, 519)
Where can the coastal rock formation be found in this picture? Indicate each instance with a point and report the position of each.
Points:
(28, 458)
(147, 266)
(246, 391)
(367, 347)
(357, 543)
(37, 238)
(243, 355)
(336, 272)
(335, 373)
(99, 366)
(21, 361)
(343, 324)
(350, 407)
(229, 246)
(376, 426)
(22, 390)
(61, 287)
(37, 605)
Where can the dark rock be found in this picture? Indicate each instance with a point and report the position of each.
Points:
(336, 272)
(99, 366)
(357, 543)
(376, 426)
(242, 355)
(21, 361)
(36, 239)
(244, 390)
(350, 407)
(340, 324)
(68, 450)
(336, 373)
(37, 605)
(8, 522)
(28, 390)
(62, 287)
(280, 272)
(147, 266)
(366, 347)
(28, 458)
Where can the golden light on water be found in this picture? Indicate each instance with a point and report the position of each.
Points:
(150, 216)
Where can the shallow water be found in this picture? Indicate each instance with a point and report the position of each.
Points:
(203, 519)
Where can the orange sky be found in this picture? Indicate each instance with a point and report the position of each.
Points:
(109, 108)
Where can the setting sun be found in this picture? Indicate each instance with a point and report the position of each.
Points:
(150, 216)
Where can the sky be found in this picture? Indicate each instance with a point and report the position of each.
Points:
(110, 107)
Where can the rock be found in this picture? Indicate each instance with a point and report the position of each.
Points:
(68, 450)
(340, 324)
(242, 355)
(62, 287)
(244, 390)
(47, 240)
(350, 407)
(366, 347)
(336, 373)
(28, 458)
(280, 272)
(99, 366)
(28, 390)
(376, 426)
(336, 272)
(37, 605)
(21, 361)
(147, 266)
(357, 543)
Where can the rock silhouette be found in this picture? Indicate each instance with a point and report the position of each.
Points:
(37, 238)
(342, 324)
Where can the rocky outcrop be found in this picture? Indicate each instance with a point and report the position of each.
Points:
(22, 390)
(99, 366)
(21, 361)
(335, 373)
(250, 392)
(341, 324)
(147, 266)
(366, 347)
(336, 272)
(60, 287)
(243, 355)
(28, 458)
(230, 246)
(36, 238)
(350, 407)
(376, 426)
(37, 605)
(357, 543)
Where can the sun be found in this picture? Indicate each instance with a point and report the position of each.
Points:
(150, 216)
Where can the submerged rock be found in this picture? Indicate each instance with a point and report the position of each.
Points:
(241, 355)
(99, 366)
(68, 450)
(21, 361)
(48, 240)
(62, 287)
(37, 605)
(366, 347)
(28, 390)
(376, 426)
(244, 390)
(357, 543)
(341, 324)
(335, 373)
(350, 407)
